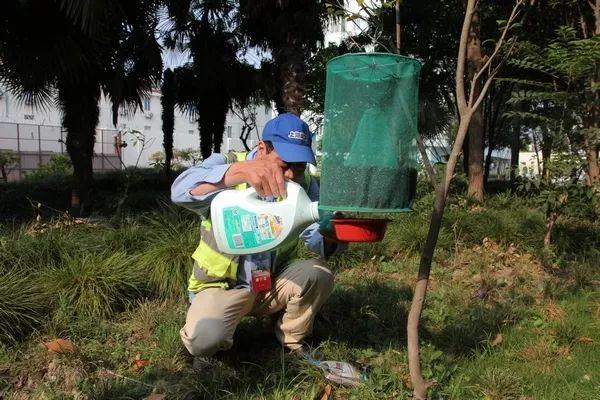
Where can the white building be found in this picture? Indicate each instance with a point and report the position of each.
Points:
(37, 134)
(341, 29)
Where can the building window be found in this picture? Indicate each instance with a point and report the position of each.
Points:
(28, 116)
(229, 132)
(146, 103)
(191, 131)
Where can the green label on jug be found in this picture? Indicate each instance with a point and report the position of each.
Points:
(245, 229)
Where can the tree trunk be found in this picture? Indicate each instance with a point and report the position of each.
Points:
(398, 28)
(80, 111)
(467, 105)
(591, 150)
(205, 128)
(515, 149)
(546, 154)
(219, 119)
(476, 129)
(291, 73)
(550, 221)
(465, 156)
(593, 170)
(420, 386)
(168, 116)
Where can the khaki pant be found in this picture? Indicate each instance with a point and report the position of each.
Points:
(299, 291)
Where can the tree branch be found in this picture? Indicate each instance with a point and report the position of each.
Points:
(466, 110)
(462, 52)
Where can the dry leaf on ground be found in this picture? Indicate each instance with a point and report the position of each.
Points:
(326, 392)
(60, 346)
(139, 363)
(497, 340)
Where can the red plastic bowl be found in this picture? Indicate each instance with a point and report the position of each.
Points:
(359, 229)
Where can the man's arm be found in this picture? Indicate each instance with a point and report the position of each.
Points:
(210, 172)
(196, 186)
(266, 177)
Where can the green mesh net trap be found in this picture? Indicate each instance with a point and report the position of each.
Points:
(369, 152)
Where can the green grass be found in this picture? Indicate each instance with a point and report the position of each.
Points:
(21, 306)
(116, 288)
(94, 284)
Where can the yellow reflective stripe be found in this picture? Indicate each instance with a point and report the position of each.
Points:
(195, 285)
(241, 156)
(206, 224)
(215, 263)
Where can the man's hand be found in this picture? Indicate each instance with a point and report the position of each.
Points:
(265, 176)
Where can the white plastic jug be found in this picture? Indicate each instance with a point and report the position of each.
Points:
(243, 223)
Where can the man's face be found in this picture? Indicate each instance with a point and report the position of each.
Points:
(292, 171)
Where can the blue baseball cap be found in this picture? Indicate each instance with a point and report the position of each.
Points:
(291, 138)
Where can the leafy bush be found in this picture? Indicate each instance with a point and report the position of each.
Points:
(59, 164)
(147, 188)
(8, 158)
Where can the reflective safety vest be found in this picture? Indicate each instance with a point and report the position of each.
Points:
(215, 269)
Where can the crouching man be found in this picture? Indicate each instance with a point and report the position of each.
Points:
(220, 285)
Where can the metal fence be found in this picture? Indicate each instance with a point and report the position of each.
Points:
(36, 144)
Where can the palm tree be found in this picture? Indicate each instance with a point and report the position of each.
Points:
(167, 101)
(215, 78)
(291, 30)
(69, 52)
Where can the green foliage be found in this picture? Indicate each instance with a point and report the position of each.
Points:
(171, 239)
(96, 284)
(59, 164)
(22, 307)
(93, 270)
(561, 96)
(315, 76)
(181, 158)
(562, 191)
(111, 389)
(148, 187)
(8, 158)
